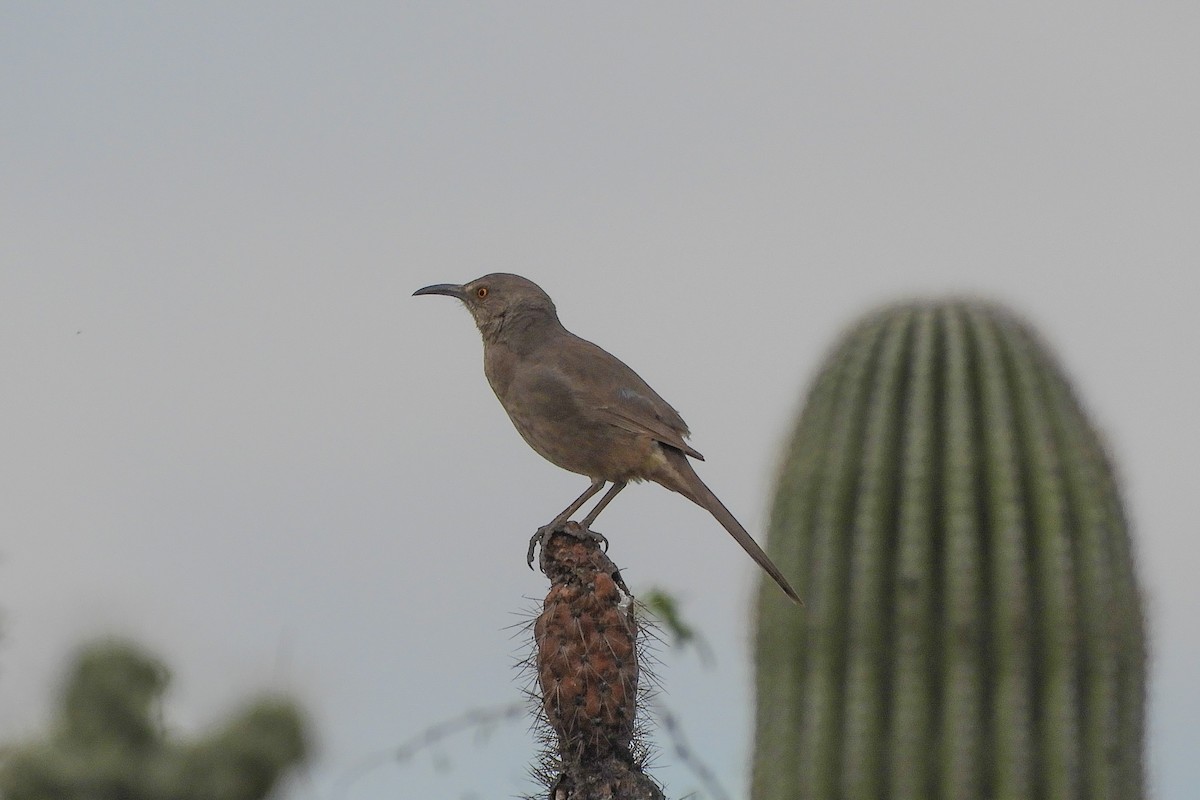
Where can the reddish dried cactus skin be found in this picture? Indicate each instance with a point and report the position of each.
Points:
(586, 667)
(586, 663)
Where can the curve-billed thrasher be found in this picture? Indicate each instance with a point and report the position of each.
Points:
(582, 408)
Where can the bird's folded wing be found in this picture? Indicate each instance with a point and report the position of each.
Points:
(645, 423)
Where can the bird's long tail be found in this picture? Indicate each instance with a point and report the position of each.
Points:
(680, 477)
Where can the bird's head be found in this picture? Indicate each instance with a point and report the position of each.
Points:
(501, 303)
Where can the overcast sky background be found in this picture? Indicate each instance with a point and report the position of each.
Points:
(227, 430)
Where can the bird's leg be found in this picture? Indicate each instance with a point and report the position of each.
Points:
(558, 522)
(588, 494)
(583, 530)
(595, 512)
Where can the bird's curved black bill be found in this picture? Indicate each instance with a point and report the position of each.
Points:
(448, 289)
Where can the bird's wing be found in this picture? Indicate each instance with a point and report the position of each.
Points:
(618, 396)
(637, 416)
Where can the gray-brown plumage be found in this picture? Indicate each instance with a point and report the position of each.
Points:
(581, 407)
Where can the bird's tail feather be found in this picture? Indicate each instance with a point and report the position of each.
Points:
(683, 479)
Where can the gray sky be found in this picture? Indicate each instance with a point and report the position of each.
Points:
(229, 431)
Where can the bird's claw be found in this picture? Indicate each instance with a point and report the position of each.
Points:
(536, 540)
(573, 529)
(583, 534)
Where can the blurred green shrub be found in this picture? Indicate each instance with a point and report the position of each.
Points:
(108, 741)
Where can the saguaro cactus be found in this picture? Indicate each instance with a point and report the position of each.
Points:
(974, 627)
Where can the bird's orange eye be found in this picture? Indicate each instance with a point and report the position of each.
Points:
(481, 292)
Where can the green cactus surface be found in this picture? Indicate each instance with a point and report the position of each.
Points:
(974, 627)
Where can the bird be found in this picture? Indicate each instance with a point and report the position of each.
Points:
(583, 409)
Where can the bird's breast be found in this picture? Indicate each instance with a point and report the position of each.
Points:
(582, 445)
(555, 411)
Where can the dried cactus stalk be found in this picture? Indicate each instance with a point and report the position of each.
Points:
(587, 668)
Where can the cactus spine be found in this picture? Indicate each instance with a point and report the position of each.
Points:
(974, 628)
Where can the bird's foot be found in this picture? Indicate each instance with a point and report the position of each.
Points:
(585, 534)
(573, 529)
